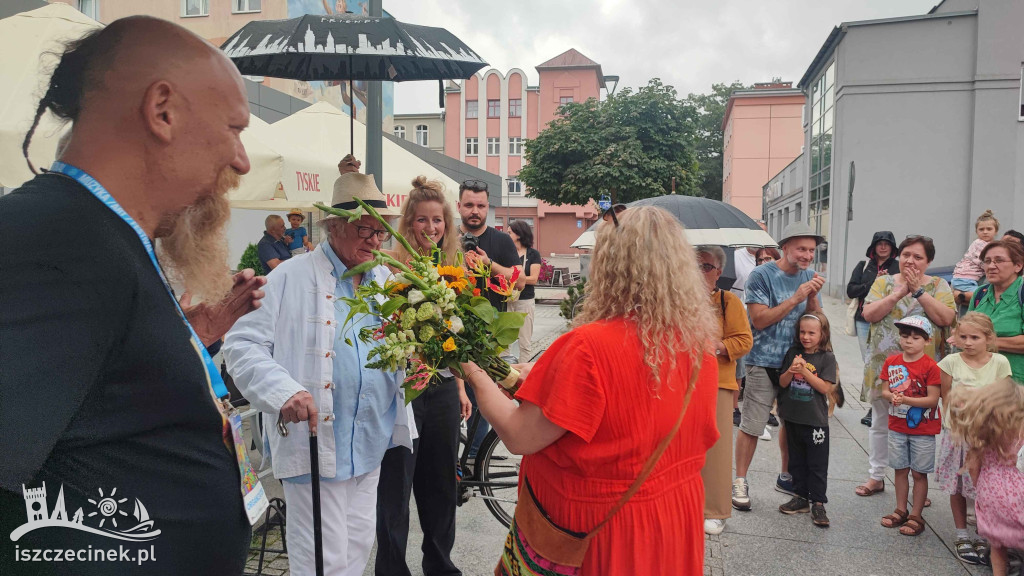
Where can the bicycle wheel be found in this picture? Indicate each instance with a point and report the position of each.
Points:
(499, 474)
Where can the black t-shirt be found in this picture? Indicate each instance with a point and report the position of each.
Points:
(269, 249)
(799, 402)
(529, 261)
(102, 388)
(499, 248)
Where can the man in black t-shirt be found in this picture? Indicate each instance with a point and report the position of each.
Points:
(271, 249)
(107, 419)
(493, 247)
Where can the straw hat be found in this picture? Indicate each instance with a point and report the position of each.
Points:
(296, 212)
(354, 185)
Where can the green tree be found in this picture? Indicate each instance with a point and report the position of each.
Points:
(251, 259)
(709, 135)
(629, 147)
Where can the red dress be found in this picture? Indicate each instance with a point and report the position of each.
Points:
(593, 382)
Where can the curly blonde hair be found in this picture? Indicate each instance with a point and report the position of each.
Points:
(424, 190)
(645, 271)
(984, 325)
(990, 418)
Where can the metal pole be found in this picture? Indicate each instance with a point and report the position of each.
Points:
(314, 475)
(374, 116)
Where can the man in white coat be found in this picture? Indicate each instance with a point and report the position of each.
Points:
(290, 359)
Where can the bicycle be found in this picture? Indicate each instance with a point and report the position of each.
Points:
(492, 475)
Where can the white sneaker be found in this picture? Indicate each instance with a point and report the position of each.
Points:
(714, 526)
(767, 435)
(740, 494)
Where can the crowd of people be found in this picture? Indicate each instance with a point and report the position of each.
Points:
(623, 423)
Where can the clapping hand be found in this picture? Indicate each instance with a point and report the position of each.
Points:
(798, 365)
(912, 279)
(212, 321)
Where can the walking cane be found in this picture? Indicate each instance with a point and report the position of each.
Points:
(314, 474)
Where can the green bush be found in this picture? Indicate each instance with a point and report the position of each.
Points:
(569, 307)
(251, 259)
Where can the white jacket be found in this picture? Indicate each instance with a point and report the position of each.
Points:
(286, 346)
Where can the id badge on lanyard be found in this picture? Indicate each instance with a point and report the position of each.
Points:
(255, 499)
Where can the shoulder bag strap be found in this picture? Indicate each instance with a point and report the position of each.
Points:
(653, 460)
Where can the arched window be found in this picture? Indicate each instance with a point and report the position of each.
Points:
(421, 134)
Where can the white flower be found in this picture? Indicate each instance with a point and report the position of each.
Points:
(415, 297)
(456, 324)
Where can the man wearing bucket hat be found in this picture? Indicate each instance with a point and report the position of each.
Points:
(358, 412)
(777, 294)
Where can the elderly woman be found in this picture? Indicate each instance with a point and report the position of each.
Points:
(1000, 300)
(607, 393)
(911, 292)
(733, 340)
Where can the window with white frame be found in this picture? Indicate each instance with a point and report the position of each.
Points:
(195, 8)
(493, 147)
(563, 100)
(472, 146)
(515, 108)
(515, 146)
(421, 134)
(238, 6)
(515, 188)
(472, 109)
(400, 131)
(90, 8)
(493, 108)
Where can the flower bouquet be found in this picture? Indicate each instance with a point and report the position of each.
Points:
(432, 315)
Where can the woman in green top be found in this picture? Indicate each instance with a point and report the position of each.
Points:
(894, 297)
(1000, 300)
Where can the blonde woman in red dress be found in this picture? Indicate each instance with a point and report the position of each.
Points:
(597, 403)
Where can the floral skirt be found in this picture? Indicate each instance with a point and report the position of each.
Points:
(951, 470)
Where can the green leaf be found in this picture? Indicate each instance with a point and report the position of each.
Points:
(392, 305)
(360, 269)
(505, 328)
(482, 309)
(411, 394)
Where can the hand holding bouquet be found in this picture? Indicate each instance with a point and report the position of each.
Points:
(432, 315)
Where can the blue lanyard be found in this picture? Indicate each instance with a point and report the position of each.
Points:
(97, 190)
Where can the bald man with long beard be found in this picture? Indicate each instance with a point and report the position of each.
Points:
(107, 397)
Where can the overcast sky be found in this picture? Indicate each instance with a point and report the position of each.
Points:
(690, 45)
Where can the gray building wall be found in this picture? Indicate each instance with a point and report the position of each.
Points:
(927, 109)
(433, 122)
(786, 197)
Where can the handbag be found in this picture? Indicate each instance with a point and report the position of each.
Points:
(850, 327)
(537, 546)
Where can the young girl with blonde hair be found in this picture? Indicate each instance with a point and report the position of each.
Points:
(990, 420)
(968, 271)
(975, 366)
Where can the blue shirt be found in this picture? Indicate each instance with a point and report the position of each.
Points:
(269, 249)
(297, 235)
(365, 404)
(768, 285)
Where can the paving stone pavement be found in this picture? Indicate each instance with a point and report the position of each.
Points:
(764, 542)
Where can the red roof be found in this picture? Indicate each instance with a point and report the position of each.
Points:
(571, 58)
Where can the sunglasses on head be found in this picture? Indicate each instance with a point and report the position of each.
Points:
(614, 211)
(476, 185)
(916, 237)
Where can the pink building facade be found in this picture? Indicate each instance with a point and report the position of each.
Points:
(488, 118)
(762, 134)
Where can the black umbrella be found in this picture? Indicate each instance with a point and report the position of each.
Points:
(707, 222)
(349, 47)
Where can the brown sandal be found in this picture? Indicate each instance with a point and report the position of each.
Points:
(896, 519)
(865, 490)
(913, 526)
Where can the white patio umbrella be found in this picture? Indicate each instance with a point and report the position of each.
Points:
(310, 143)
(25, 66)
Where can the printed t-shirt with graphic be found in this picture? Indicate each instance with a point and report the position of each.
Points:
(912, 379)
(770, 286)
(297, 235)
(799, 402)
(997, 368)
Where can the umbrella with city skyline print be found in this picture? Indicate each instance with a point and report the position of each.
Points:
(350, 47)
